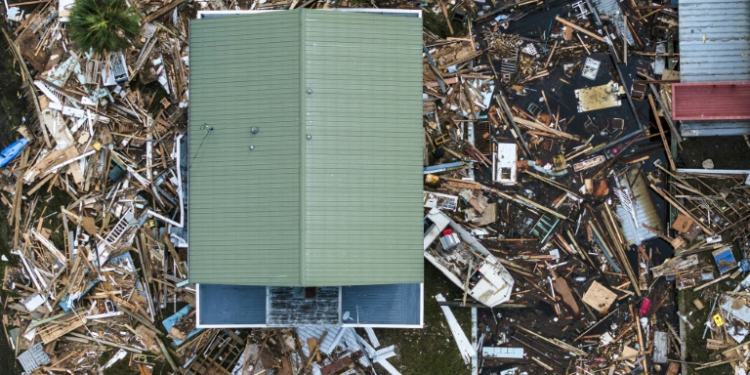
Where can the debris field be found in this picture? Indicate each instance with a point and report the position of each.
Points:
(556, 200)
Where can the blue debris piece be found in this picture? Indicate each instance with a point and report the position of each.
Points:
(724, 259)
(172, 320)
(69, 302)
(443, 167)
(12, 151)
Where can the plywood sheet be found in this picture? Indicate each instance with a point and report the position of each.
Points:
(599, 297)
(598, 97)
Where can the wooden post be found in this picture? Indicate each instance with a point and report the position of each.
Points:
(180, 267)
(638, 327)
(17, 201)
(661, 132)
(168, 356)
(466, 283)
(549, 58)
(447, 18)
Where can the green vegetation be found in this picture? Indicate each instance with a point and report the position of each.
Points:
(11, 107)
(11, 110)
(103, 25)
(696, 344)
(436, 23)
(431, 350)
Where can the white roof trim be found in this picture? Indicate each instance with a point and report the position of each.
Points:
(357, 10)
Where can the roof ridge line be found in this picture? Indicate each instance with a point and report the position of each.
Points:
(302, 156)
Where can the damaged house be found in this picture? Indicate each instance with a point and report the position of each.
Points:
(305, 168)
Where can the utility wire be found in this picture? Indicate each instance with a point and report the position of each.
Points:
(207, 129)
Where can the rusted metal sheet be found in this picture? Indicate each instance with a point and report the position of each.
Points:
(711, 101)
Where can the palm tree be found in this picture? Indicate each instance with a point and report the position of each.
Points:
(103, 25)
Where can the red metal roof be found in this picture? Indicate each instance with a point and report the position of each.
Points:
(711, 101)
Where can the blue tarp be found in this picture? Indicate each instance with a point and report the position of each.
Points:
(172, 320)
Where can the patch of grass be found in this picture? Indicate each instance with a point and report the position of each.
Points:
(119, 368)
(726, 152)
(161, 368)
(431, 350)
(12, 109)
(436, 23)
(11, 106)
(59, 198)
(696, 344)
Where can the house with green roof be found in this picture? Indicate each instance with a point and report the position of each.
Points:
(305, 168)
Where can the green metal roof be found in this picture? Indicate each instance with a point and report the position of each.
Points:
(345, 206)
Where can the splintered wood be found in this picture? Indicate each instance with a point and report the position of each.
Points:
(52, 331)
(536, 118)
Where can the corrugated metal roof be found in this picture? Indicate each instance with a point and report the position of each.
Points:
(611, 8)
(244, 206)
(344, 337)
(714, 47)
(342, 208)
(363, 187)
(711, 101)
(714, 40)
(643, 205)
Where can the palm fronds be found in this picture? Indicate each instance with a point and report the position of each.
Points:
(103, 25)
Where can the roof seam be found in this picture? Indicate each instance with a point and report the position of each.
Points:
(302, 145)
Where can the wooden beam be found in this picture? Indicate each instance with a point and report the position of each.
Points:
(579, 28)
(534, 125)
(445, 13)
(173, 252)
(27, 3)
(682, 209)
(17, 201)
(164, 10)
